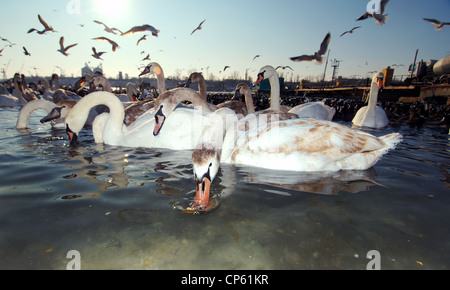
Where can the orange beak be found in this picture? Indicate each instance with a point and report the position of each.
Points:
(380, 83)
(201, 199)
(260, 78)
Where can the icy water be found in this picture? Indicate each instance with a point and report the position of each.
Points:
(119, 208)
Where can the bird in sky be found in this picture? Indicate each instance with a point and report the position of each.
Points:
(256, 56)
(63, 49)
(25, 51)
(142, 28)
(380, 19)
(438, 24)
(284, 67)
(199, 27)
(113, 43)
(147, 57)
(317, 56)
(225, 67)
(46, 27)
(1, 51)
(97, 55)
(351, 30)
(107, 29)
(142, 39)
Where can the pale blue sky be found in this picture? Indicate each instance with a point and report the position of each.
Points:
(233, 33)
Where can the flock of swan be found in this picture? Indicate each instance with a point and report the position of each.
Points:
(302, 138)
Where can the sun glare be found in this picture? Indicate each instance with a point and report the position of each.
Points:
(111, 8)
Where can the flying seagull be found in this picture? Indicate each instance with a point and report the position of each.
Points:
(141, 39)
(380, 19)
(438, 24)
(96, 54)
(107, 29)
(317, 55)
(142, 28)
(147, 57)
(63, 49)
(1, 51)
(199, 27)
(46, 27)
(284, 67)
(113, 43)
(256, 56)
(25, 51)
(351, 30)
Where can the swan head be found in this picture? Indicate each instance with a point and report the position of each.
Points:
(153, 68)
(55, 113)
(206, 161)
(265, 72)
(194, 77)
(378, 79)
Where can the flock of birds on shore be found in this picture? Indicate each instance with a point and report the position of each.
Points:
(275, 135)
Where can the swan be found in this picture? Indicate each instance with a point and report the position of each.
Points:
(238, 107)
(55, 113)
(316, 110)
(296, 145)
(156, 69)
(243, 89)
(180, 125)
(371, 115)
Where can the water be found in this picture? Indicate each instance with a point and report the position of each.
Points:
(118, 207)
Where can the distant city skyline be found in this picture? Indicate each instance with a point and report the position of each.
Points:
(233, 34)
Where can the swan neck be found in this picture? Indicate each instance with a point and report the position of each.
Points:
(30, 107)
(249, 102)
(202, 88)
(161, 81)
(274, 92)
(373, 97)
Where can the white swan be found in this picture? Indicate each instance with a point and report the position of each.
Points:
(296, 145)
(372, 116)
(316, 110)
(180, 125)
(30, 107)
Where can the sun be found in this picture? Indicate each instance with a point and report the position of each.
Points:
(112, 9)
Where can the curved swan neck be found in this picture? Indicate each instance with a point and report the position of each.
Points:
(18, 92)
(79, 113)
(161, 81)
(30, 107)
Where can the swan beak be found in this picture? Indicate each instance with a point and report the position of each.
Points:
(159, 121)
(53, 115)
(146, 71)
(73, 138)
(380, 83)
(201, 199)
(260, 78)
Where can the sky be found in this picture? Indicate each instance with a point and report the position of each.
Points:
(235, 31)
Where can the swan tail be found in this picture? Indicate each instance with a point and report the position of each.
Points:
(392, 139)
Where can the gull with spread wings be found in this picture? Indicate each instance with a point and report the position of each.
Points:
(351, 30)
(63, 49)
(113, 43)
(107, 29)
(97, 55)
(438, 24)
(142, 28)
(199, 27)
(317, 56)
(380, 19)
(46, 27)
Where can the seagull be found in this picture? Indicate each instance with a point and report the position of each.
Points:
(317, 55)
(439, 24)
(96, 54)
(380, 19)
(1, 51)
(46, 27)
(351, 30)
(113, 43)
(147, 57)
(107, 29)
(63, 49)
(225, 68)
(25, 51)
(256, 56)
(142, 28)
(141, 39)
(284, 67)
(199, 27)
